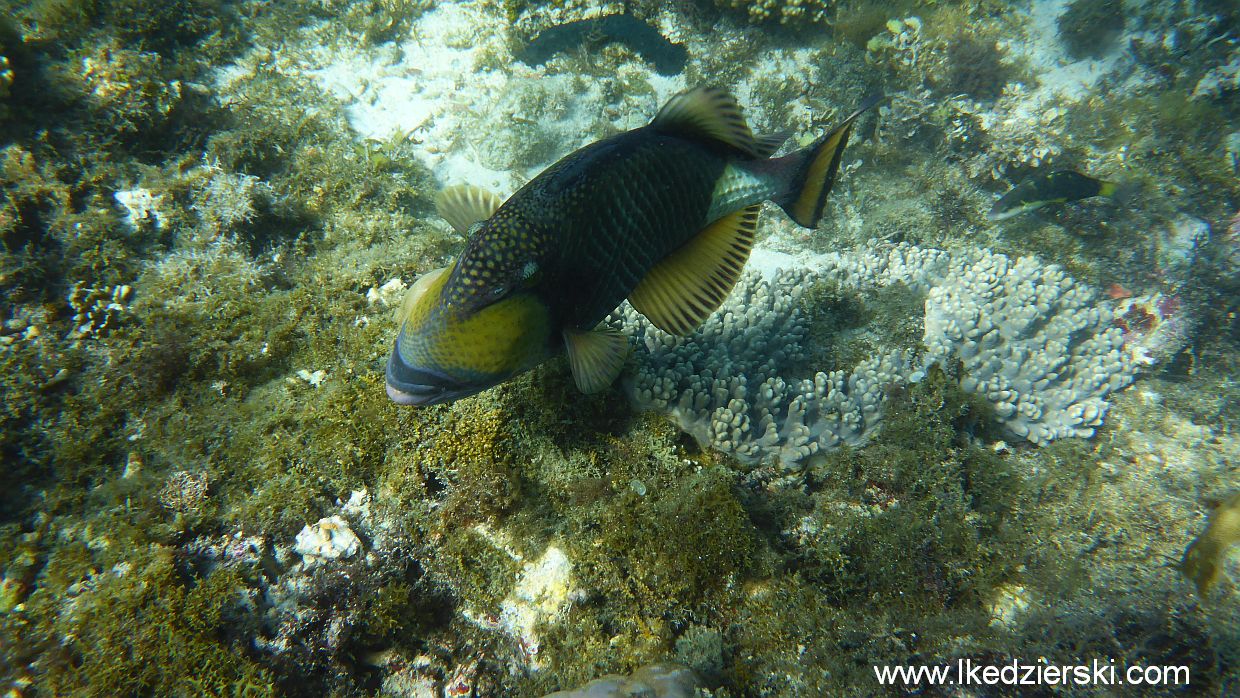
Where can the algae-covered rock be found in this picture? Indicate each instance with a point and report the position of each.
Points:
(205, 227)
(788, 12)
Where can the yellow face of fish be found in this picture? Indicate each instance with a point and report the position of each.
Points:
(444, 352)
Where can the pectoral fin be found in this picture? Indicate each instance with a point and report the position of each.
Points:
(683, 290)
(595, 357)
(420, 288)
(464, 204)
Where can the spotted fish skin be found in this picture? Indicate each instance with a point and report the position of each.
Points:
(606, 214)
(584, 231)
(546, 266)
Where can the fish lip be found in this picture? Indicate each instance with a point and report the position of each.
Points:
(426, 395)
(422, 387)
(405, 397)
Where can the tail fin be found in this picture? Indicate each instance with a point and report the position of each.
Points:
(814, 168)
(1124, 191)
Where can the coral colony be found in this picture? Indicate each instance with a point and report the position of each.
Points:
(1030, 340)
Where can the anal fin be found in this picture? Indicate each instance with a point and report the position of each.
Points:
(680, 292)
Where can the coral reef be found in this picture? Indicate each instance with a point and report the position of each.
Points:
(209, 212)
(1026, 337)
(1032, 342)
(976, 68)
(227, 200)
(128, 86)
(97, 312)
(329, 539)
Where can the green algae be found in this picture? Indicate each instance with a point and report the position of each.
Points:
(673, 552)
(162, 27)
(1089, 29)
(920, 510)
(140, 629)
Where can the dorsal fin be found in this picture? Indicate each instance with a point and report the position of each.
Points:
(708, 112)
(680, 292)
(463, 205)
(769, 143)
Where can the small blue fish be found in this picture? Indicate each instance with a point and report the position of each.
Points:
(663, 215)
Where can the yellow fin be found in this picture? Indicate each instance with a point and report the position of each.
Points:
(709, 112)
(817, 174)
(595, 356)
(1203, 560)
(679, 293)
(464, 204)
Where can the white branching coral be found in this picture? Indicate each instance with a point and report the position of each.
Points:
(96, 312)
(726, 384)
(1027, 337)
(1032, 342)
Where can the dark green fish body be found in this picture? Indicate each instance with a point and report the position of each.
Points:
(663, 215)
(609, 213)
(1038, 190)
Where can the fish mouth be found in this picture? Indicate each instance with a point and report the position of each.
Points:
(423, 387)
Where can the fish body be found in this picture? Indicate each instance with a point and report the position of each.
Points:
(663, 215)
(1057, 187)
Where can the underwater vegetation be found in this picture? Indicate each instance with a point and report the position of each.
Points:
(209, 212)
(787, 12)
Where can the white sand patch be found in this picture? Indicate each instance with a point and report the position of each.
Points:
(1059, 75)
(470, 123)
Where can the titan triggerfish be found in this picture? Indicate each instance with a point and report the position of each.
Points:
(663, 215)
